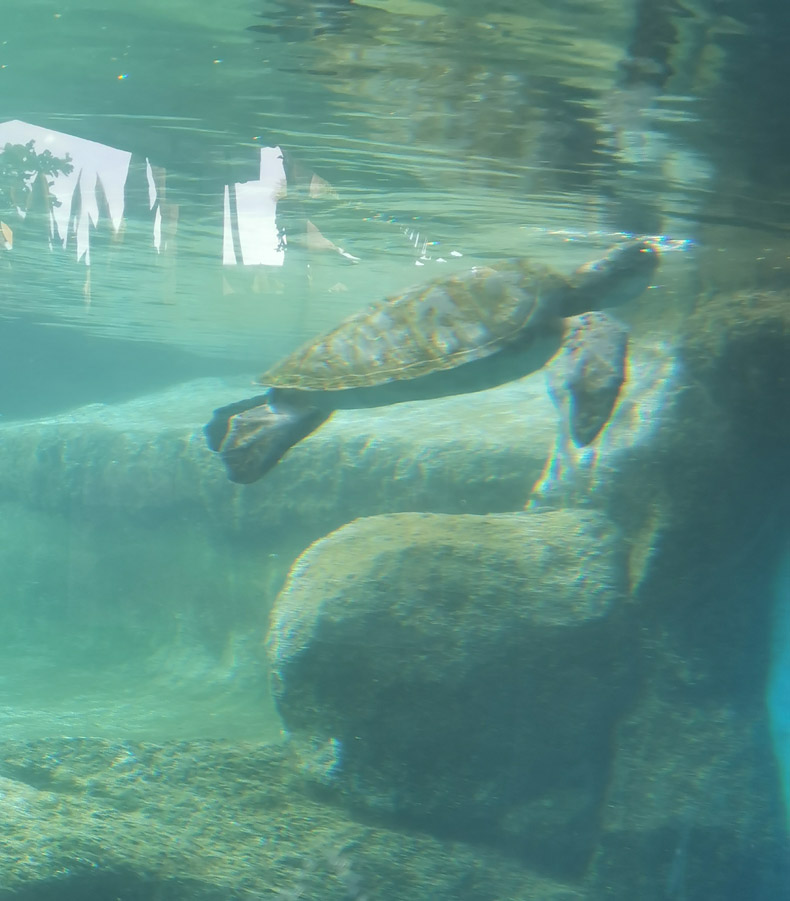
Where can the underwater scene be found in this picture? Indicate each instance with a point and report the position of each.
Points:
(394, 412)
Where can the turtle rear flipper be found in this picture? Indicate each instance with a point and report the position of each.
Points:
(216, 430)
(252, 439)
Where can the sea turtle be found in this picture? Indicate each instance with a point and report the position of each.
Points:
(461, 334)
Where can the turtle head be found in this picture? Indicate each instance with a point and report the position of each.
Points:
(619, 276)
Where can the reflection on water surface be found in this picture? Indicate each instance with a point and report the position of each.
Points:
(394, 120)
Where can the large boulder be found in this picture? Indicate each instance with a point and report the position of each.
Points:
(693, 469)
(416, 670)
(461, 671)
(119, 525)
(147, 460)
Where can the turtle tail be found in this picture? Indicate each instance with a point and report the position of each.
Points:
(252, 436)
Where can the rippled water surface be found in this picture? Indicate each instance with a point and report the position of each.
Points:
(404, 132)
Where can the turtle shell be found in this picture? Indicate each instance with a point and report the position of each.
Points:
(448, 323)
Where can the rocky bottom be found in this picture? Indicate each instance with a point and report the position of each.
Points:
(206, 820)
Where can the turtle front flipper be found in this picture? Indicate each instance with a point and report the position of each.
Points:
(586, 375)
(252, 436)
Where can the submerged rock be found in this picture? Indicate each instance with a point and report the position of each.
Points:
(693, 468)
(203, 821)
(622, 740)
(460, 671)
(147, 459)
(582, 685)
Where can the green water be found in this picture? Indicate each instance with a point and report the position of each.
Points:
(233, 179)
(475, 136)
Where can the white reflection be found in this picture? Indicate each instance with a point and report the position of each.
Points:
(250, 208)
(96, 183)
(92, 196)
